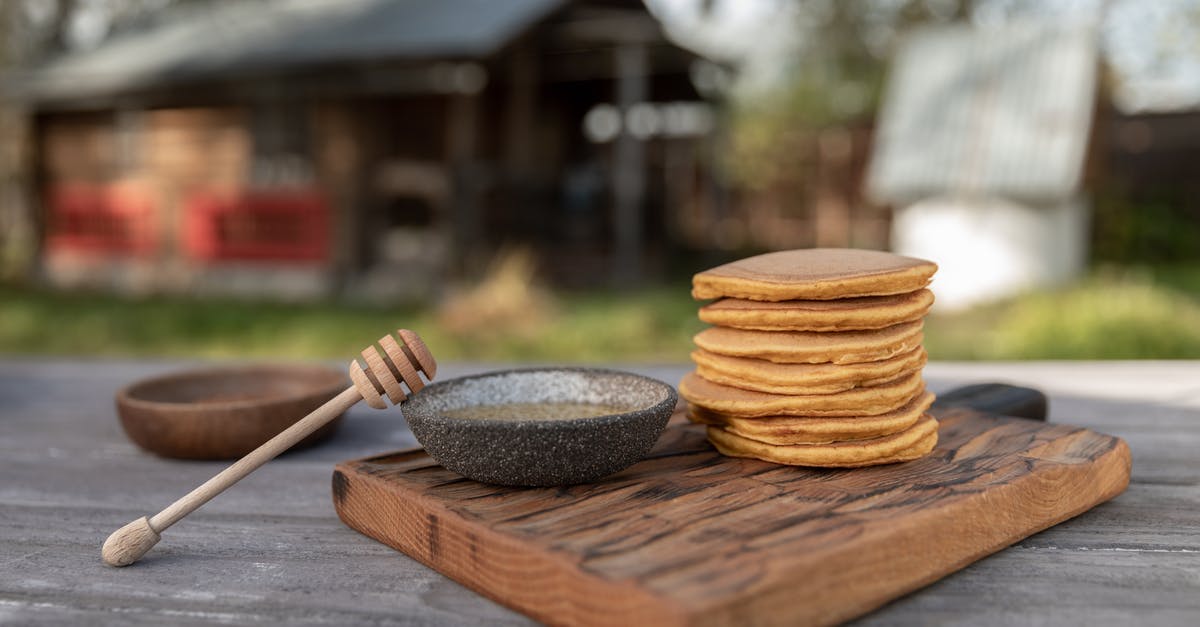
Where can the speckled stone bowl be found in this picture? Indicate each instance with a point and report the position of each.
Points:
(541, 452)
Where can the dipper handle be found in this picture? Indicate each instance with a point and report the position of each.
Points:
(388, 364)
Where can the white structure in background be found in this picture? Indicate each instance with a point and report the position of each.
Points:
(980, 148)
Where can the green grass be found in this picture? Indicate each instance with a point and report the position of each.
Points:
(1125, 314)
(1114, 314)
(649, 326)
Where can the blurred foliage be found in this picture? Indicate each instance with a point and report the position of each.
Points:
(507, 298)
(31, 30)
(833, 77)
(1118, 313)
(1160, 230)
(1142, 313)
(651, 326)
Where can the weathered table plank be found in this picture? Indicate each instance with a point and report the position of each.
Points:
(272, 550)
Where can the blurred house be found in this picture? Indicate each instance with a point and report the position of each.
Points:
(375, 147)
(981, 148)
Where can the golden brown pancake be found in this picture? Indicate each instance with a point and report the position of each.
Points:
(862, 401)
(812, 347)
(766, 376)
(844, 314)
(786, 430)
(912, 443)
(814, 274)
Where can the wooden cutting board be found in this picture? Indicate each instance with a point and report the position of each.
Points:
(688, 536)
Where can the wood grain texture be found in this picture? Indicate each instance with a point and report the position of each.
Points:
(272, 550)
(690, 537)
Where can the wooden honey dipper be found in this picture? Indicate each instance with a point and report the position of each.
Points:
(390, 365)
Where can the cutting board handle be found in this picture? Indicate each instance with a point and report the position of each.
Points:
(997, 398)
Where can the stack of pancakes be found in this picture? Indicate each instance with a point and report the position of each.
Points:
(815, 359)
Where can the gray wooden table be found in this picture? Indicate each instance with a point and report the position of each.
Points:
(271, 550)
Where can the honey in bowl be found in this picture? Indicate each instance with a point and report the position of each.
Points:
(534, 411)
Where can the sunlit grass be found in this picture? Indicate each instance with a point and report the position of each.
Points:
(647, 326)
(1115, 314)
(1111, 315)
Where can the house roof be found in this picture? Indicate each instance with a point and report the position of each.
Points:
(238, 38)
(1002, 112)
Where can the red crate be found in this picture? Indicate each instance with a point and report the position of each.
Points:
(263, 225)
(112, 219)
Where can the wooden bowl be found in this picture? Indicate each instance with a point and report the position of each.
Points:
(224, 413)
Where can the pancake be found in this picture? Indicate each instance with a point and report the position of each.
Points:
(812, 347)
(814, 274)
(786, 430)
(844, 314)
(767, 376)
(863, 401)
(912, 443)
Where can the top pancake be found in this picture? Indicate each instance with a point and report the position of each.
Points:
(814, 274)
(843, 314)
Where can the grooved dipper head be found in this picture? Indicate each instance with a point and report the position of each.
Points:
(390, 365)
